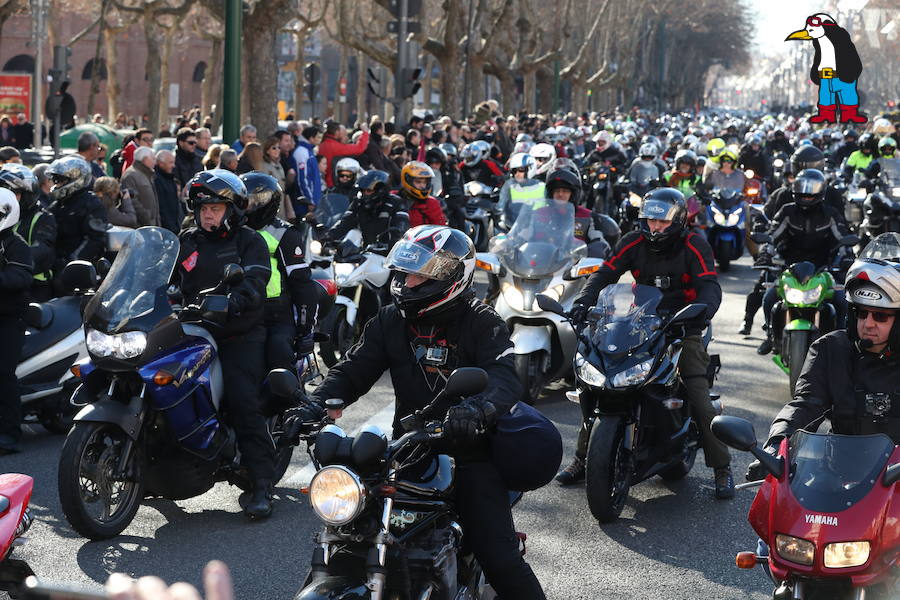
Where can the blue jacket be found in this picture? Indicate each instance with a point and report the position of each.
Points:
(308, 177)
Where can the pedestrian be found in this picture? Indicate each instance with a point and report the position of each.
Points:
(286, 146)
(309, 182)
(334, 146)
(7, 138)
(139, 177)
(187, 163)
(117, 202)
(246, 135)
(387, 161)
(121, 121)
(211, 158)
(250, 159)
(23, 132)
(228, 160)
(204, 141)
(8, 154)
(171, 212)
(88, 146)
(372, 157)
(142, 137)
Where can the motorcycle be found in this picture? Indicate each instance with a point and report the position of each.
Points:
(151, 390)
(641, 183)
(726, 218)
(15, 519)
(803, 313)
(481, 213)
(628, 386)
(826, 508)
(882, 206)
(539, 255)
(391, 529)
(779, 162)
(597, 185)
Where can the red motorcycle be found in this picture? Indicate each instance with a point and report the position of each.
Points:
(15, 493)
(827, 514)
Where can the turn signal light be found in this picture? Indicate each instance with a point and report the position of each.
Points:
(76, 370)
(163, 378)
(305, 490)
(587, 270)
(484, 266)
(745, 560)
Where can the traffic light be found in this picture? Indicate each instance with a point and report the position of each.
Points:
(59, 75)
(409, 82)
(312, 74)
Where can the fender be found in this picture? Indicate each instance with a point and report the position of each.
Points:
(350, 313)
(799, 325)
(335, 588)
(530, 338)
(126, 416)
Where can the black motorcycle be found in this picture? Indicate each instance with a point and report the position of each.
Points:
(882, 206)
(391, 530)
(630, 391)
(482, 214)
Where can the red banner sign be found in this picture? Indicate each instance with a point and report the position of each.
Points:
(15, 94)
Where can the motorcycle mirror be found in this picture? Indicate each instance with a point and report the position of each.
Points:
(691, 311)
(103, 267)
(334, 404)
(282, 382)
(735, 432)
(465, 381)
(548, 304)
(232, 274)
(79, 275)
(849, 240)
(760, 237)
(892, 475)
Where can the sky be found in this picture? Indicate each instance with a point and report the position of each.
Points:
(776, 19)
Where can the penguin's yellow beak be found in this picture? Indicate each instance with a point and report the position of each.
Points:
(799, 35)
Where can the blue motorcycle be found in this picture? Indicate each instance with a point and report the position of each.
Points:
(726, 225)
(151, 391)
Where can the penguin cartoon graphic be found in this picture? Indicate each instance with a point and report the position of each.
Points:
(835, 69)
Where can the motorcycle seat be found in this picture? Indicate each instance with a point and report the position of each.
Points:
(60, 317)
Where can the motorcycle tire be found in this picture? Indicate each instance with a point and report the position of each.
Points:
(722, 257)
(529, 371)
(798, 344)
(283, 454)
(92, 450)
(341, 337)
(608, 473)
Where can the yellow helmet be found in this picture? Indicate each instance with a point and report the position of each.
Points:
(714, 146)
(414, 170)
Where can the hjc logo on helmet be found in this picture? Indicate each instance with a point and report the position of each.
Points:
(867, 294)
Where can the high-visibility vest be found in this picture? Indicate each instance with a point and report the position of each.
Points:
(527, 194)
(273, 287)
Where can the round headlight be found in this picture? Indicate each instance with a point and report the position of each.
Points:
(315, 247)
(337, 495)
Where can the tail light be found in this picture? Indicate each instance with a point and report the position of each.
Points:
(329, 285)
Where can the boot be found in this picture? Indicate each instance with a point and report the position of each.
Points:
(826, 114)
(573, 473)
(724, 483)
(745, 330)
(258, 503)
(764, 347)
(849, 114)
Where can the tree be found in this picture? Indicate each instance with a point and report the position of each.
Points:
(9, 8)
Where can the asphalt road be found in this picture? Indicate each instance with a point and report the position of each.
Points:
(674, 540)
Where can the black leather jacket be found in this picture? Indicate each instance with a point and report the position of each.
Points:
(81, 228)
(807, 234)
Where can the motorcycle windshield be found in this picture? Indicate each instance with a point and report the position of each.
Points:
(626, 315)
(139, 275)
(830, 473)
(890, 172)
(542, 239)
(331, 208)
(885, 247)
(727, 198)
(643, 173)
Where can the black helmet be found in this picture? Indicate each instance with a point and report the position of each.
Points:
(809, 188)
(868, 142)
(435, 155)
(218, 186)
(70, 175)
(445, 257)
(664, 204)
(563, 178)
(807, 157)
(21, 181)
(850, 133)
(373, 187)
(264, 198)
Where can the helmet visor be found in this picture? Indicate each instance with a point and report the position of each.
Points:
(808, 187)
(658, 209)
(415, 258)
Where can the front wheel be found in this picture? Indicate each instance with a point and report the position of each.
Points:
(530, 372)
(608, 476)
(723, 256)
(98, 500)
(798, 345)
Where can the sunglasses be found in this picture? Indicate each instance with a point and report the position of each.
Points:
(817, 22)
(878, 317)
(345, 176)
(190, 143)
(522, 170)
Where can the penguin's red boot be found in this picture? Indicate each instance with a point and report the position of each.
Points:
(826, 114)
(849, 114)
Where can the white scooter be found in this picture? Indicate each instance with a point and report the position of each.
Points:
(540, 255)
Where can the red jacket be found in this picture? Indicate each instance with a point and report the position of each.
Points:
(128, 154)
(425, 212)
(333, 149)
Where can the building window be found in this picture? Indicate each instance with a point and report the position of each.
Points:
(88, 70)
(199, 72)
(21, 63)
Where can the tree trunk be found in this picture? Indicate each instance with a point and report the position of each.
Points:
(426, 81)
(362, 114)
(299, 73)
(529, 102)
(154, 76)
(508, 100)
(545, 81)
(210, 77)
(168, 35)
(96, 71)
(113, 89)
(341, 108)
(451, 83)
(260, 29)
(579, 96)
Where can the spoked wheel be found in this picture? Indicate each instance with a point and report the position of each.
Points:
(98, 500)
(283, 454)
(608, 476)
(528, 368)
(342, 337)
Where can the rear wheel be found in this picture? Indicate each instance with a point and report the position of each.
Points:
(342, 335)
(530, 372)
(608, 476)
(99, 501)
(283, 454)
(798, 345)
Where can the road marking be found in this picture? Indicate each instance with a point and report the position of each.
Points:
(383, 419)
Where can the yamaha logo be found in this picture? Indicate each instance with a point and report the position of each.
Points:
(867, 295)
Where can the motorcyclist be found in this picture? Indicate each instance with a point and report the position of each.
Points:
(779, 143)
(291, 296)
(563, 187)
(543, 155)
(859, 160)
(673, 141)
(415, 189)
(519, 188)
(684, 177)
(806, 157)
(726, 177)
(346, 172)
(434, 326)
(887, 150)
(219, 200)
(648, 154)
(454, 192)
(15, 280)
(477, 164)
(755, 158)
(80, 215)
(805, 230)
(847, 148)
(663, 253)
(375, 211)
(36, 226)
(851, 376)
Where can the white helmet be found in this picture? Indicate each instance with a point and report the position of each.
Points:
(523, 147)
(882, 127)
(474, 153)
(9, 209)
(604, 136)
(689, 141)
(524, 137)
(348, 164)
(647, 149)
(543, 155)
(873, 279)
(521, 160)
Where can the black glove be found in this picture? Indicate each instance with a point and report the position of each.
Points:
(579, 314)
(294, 418)
(756, 472)
(468, 418)
(305, 345)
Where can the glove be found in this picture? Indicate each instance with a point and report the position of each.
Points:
(294, 418)
(756, 472)
(235, 304)
(305, 345)
(579, 313)
(468, 418)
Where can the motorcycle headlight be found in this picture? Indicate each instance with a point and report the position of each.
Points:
(795, 296)
(588, 373)
(337, 495)
(735, 218)
(777, 163)
(841, 555)
(895, 192)
(796, 550)
(342, 271)
(718, 216)
(315, 247)
(513, 297)
(130, 344)
(632, 375)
